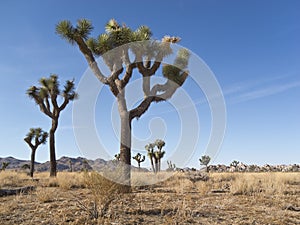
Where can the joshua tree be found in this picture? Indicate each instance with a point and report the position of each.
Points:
(160, 144)
(46, 97)
(171, 166)
(148, 55)
(4, 166)
(205, 159)
(70, 165)
(155, 156)
(139, 158)
(234, 163)
(150, 149)
(25, 166)
(158, 155)
(117, 157)
(85, 165)
(40, 137)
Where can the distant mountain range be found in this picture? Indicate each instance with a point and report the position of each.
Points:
(63, 164)
(80, 163)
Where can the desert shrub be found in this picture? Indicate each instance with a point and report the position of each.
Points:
(45, 194)
(103, 190)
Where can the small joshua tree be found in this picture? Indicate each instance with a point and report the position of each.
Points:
(139, 158)
(4, 166)
(171, 166)
(85, 165)
(160, 144)
(46, 97)
(117, 157)
(205, 159)
(25, 166)
(70, 165)
(234, 163)
(155, 156)
(39, 137)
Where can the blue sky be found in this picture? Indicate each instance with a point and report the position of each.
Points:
(252, 47)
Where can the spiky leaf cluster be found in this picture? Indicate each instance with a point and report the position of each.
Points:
(49, 90)
(66, 30)
(36, 134)
(174, 72)
(160, 143)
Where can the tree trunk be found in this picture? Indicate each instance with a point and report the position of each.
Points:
(125, 149)
(156, 165)
(159, 165)
(152, 165)
(52, 148)
(32, 162)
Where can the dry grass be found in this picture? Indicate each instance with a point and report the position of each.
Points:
(13, 179)
(89, 198)
(45, 194)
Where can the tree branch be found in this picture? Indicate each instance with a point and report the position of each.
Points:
(47, 104)
(64, 104)
(90, 59)
(29, 143)
(44, 109)
(128, 74)
(168, 89)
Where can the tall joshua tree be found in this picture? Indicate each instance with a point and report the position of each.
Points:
(46, 97)
(147, 60)
(40, 137)
(139, 158)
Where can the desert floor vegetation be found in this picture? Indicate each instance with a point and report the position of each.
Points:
(214, 198)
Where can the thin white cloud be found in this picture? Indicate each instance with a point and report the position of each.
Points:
(264, 92)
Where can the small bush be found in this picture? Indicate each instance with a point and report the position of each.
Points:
(45, 195)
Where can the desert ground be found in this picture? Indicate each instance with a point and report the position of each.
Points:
(183, 198)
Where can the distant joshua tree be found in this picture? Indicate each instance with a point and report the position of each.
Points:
(234, 163)
(204, 160)
(46, 97)
(40, 137)
(25, 166)
(157, 155)
(160, 154)
(139, 158)
(150, 149)
(85, 165)
(171, 166)
(117, 157)
(4, 166)
(70, 165)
